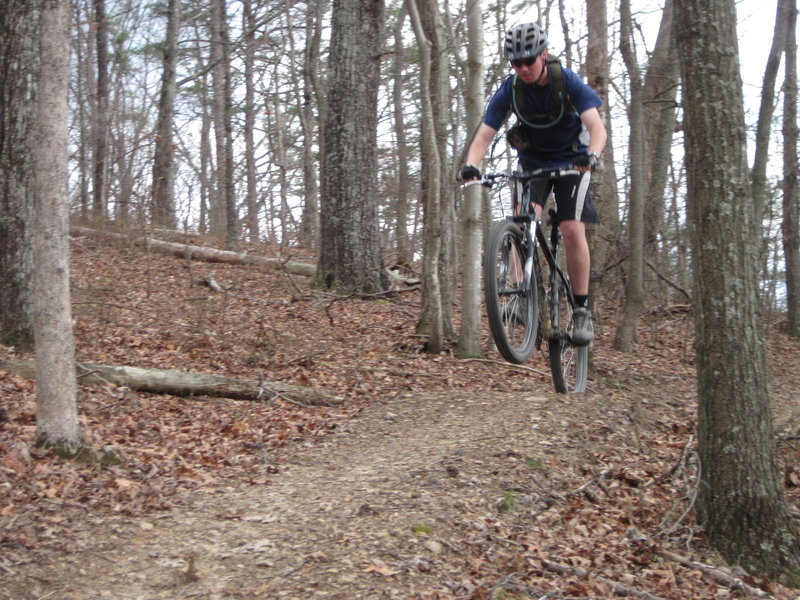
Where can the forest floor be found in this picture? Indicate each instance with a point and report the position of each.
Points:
(436, 478)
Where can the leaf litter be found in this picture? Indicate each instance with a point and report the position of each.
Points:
(523, 493)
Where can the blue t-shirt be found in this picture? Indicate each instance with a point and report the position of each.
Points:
(559, 144)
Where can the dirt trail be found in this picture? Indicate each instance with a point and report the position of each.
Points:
(375, 511)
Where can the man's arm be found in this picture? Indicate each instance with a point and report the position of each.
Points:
(480, 144)
(597, 131)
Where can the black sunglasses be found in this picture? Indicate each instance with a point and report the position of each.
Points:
(518, 62)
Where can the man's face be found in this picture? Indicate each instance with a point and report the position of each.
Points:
(530, 70)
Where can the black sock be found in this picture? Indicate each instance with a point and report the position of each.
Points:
(581, 301)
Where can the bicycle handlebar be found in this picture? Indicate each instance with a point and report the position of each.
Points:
(488, 179)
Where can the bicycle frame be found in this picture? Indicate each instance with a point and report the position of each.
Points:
(549, 325)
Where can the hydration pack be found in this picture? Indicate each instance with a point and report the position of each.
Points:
(543, 120)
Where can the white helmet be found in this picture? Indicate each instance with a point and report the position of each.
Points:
(525, 40)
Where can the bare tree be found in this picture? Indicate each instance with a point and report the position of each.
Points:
(350, 257)
(634, 285)
(791, 203)
(740, 499)
(224, 208)
(100, 120)
(163, 196)
(604, 185)
(767, 107)
(469, 340)
(404, 249)
(57, 423)
(19, 56)
(432, 317)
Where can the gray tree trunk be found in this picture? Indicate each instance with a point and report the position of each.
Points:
(432, 317)
(767, 109)
(626, 334)
(163, 204)
(57, 423)
(740, 499)
(100, 120)
(350, 255)
(469, 340)
(225, 219)
(304, 92)
(405, 252)
(659, 95)
(791, 202)
(19, 56)
(603, 238)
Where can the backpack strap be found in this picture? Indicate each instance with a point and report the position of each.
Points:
(557, 79)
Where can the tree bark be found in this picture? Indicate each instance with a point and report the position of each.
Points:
(227, 220)
(634, 285)
(659, 95)
(767, 108)
(19, 56)
(163, 204)
(741, 499)
(405, 252)
(791, 203)
(603, 238)
(57, 423)
(100, 121)
(350, 256)
(432, 315)
(182, 383)
(469, 340)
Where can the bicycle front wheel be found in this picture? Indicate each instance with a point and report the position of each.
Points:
(569, 364)
(511, 304)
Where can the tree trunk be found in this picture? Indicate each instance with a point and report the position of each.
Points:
(19, 56)
(304, 92)
(225, 222)
(767, 109)
(740, 499)
(163, 208)
(350, 255)
(181, 383)
(469, 340)
(100, 121)
(405, 253)
(82, 99)
(634, 284)
(659, 95)
(57, 423)
(432, 317)
(791, 203)
(603, 238)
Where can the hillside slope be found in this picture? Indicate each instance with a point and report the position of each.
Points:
(436, 479)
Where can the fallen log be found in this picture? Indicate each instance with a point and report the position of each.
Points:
(182, 383)
(203, 253)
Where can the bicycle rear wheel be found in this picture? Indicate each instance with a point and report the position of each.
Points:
(511, 304)
(569, 364)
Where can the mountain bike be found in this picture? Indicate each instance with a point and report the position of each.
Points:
(528, 295)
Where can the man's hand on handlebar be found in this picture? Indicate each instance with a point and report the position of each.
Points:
(587, 162)
(469, 172)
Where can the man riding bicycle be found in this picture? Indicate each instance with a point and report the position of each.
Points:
(559, 126)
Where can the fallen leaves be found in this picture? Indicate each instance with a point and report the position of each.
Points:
(590, 515)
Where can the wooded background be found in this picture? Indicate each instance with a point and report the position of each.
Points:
(209, 116)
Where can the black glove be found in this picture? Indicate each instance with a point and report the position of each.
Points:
(588, 160)
(469, 172)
